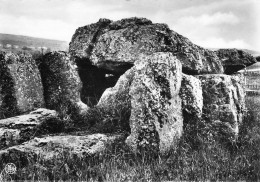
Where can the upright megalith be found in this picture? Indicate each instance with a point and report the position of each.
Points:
(156, 117)
(149, 92)
(61, 82)
(21, 89)
(223, 102)
(192, 99)
(107, 49)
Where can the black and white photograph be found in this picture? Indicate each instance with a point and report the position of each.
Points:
(129, 90)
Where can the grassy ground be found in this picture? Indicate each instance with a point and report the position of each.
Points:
(210, 160)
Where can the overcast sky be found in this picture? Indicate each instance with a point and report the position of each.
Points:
(208, 23)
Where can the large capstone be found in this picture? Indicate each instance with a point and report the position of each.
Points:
(223, 102)
(116, 45)
(21, 89)
(61, 82)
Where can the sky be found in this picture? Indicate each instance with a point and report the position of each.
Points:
(208, 23)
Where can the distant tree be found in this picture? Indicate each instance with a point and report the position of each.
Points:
(36, 54)
(48, 50)
(26, 48)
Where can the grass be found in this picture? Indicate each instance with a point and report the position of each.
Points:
(210, 160)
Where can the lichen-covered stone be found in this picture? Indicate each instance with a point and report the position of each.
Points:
(16, 130)
(223, 101)
(192, 100)
(234, 60)
(21, 89)
(53, 148)
(115, 46)
(61, 82)
(156, 117)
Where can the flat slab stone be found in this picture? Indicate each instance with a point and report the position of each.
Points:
(53, 147)
(16, 130)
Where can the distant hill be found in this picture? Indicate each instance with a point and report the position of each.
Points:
(17, 42)
(252, 52)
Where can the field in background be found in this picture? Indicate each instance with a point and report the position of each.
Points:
(18, 42)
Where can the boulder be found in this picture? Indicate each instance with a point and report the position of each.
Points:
(192, 100)
(21, 89)
(61, 83)
(16, 130)
(156, 117)
(53, 148)
(234, 60)
(223, 102)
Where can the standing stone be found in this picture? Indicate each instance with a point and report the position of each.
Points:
(61, 83)
(223, 102)
(192, 100)
(156, 117)
(21, 89)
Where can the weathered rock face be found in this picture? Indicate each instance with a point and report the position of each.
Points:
(16, 130)
(20, 85)
(192, 100)
(61, 82)
(151, 91)
(55, 147)
(223, 101)
(234, 60)
(115, 46)
(156, 117)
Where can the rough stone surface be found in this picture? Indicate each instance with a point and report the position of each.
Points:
(21, 89)
(223, 101)
(156, 117)
(234, 60)
(61, 82)
(18, 129)
(115, 46)
(120, 92)
(192, 100)
(53, 148)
